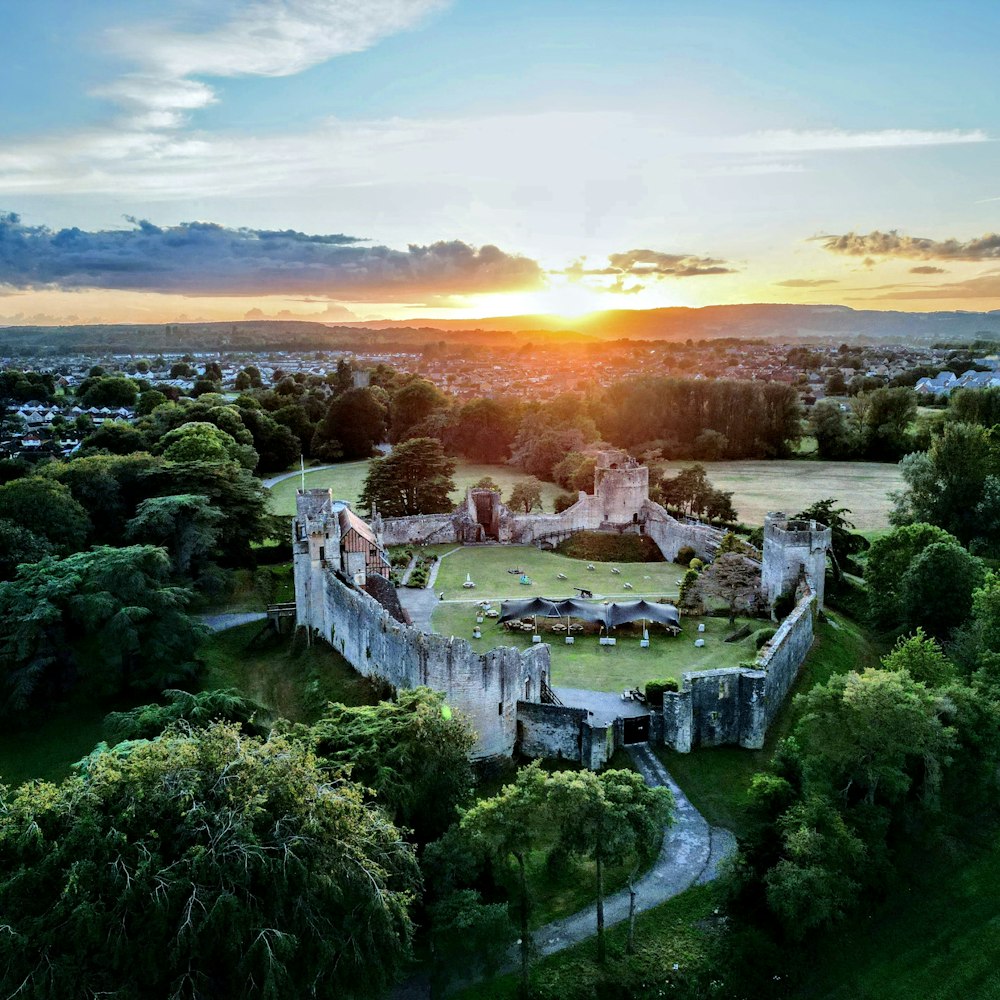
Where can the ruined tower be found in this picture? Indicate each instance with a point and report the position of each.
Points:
(793, 551)
(622, 486)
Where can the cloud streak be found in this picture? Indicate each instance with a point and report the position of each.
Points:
(204, 259)
(807, 282)
(896, 244)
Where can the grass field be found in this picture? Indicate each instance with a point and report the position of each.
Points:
(936, 938)
(762, 486)
(292, 680)
(585, 664)
(347, 480)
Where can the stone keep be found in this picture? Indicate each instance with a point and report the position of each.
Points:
(622, 485)
(794, 550)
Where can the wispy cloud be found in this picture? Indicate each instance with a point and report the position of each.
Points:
(927, 269)
(779, 141)
(896, 244)
(230, 39)
(207, 259)
(807, 282)
(985, 286)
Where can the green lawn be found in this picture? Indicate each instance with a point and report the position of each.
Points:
(489, 566)
(291, 680)
(347, 480)
(47, 749)
(585, 664)
(790, 485)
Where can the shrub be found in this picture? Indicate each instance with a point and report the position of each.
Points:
(697, 564)
(684, 555)
(765, 635)
(655, 689)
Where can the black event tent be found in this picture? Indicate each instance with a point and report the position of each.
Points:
(609, 615)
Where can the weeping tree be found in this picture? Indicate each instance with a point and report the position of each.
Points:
(202, 864)
(145, 722)
(107, 619)
(413, 752)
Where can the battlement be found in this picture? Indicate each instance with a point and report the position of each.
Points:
(794, 552)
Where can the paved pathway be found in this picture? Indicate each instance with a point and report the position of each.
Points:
(274, 480)
(604, 706)
(219, 623)
(691, 853)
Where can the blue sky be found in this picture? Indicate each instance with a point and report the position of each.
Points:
(565, 134)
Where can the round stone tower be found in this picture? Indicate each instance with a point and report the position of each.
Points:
(622, 485)
(793, 550)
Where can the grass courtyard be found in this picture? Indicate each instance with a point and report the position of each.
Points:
(585, 664)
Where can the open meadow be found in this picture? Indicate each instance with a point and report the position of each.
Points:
(790, 485)
(758, 486)
(347, 481)
(585, 663)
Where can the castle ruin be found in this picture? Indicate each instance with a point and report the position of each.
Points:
(504, 692)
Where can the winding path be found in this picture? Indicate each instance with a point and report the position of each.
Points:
(231, 619)
(691, 854)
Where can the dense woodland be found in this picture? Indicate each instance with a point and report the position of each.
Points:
(208, 848)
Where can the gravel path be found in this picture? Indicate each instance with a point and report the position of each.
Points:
(274, 480)
(219, 623)
(691, 854)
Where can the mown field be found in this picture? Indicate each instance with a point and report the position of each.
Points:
(758, 486)
(762, 486)
(347, 481)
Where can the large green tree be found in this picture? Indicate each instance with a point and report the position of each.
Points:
(412, 752)
(201, 441)
(187, 526)
(608, 817)
(954, 485)
(875, 736)
(106, 619)
(415, 478)
(47, 509)
(205, 863)
(412, 405)
(936, 589)
(889, 558)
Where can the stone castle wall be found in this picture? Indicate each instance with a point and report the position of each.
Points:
(562, 732)
(484, 687)
(735, 705)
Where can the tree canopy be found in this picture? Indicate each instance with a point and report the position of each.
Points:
(415, 478)
(202, 864)
(107, 619)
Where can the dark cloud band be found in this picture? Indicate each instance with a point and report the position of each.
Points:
(198, 258)
(896, 244)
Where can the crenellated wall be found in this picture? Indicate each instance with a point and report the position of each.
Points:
(484, 687)
(736, 705)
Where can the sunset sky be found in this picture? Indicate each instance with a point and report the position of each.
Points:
(356, 159)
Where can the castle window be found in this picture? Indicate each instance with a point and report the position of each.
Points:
(322, 553)
(500, 708)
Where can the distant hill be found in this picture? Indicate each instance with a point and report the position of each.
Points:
(784, 322)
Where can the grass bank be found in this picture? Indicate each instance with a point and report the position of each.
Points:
(716, 779)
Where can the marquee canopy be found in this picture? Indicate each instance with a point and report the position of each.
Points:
(608, 615)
